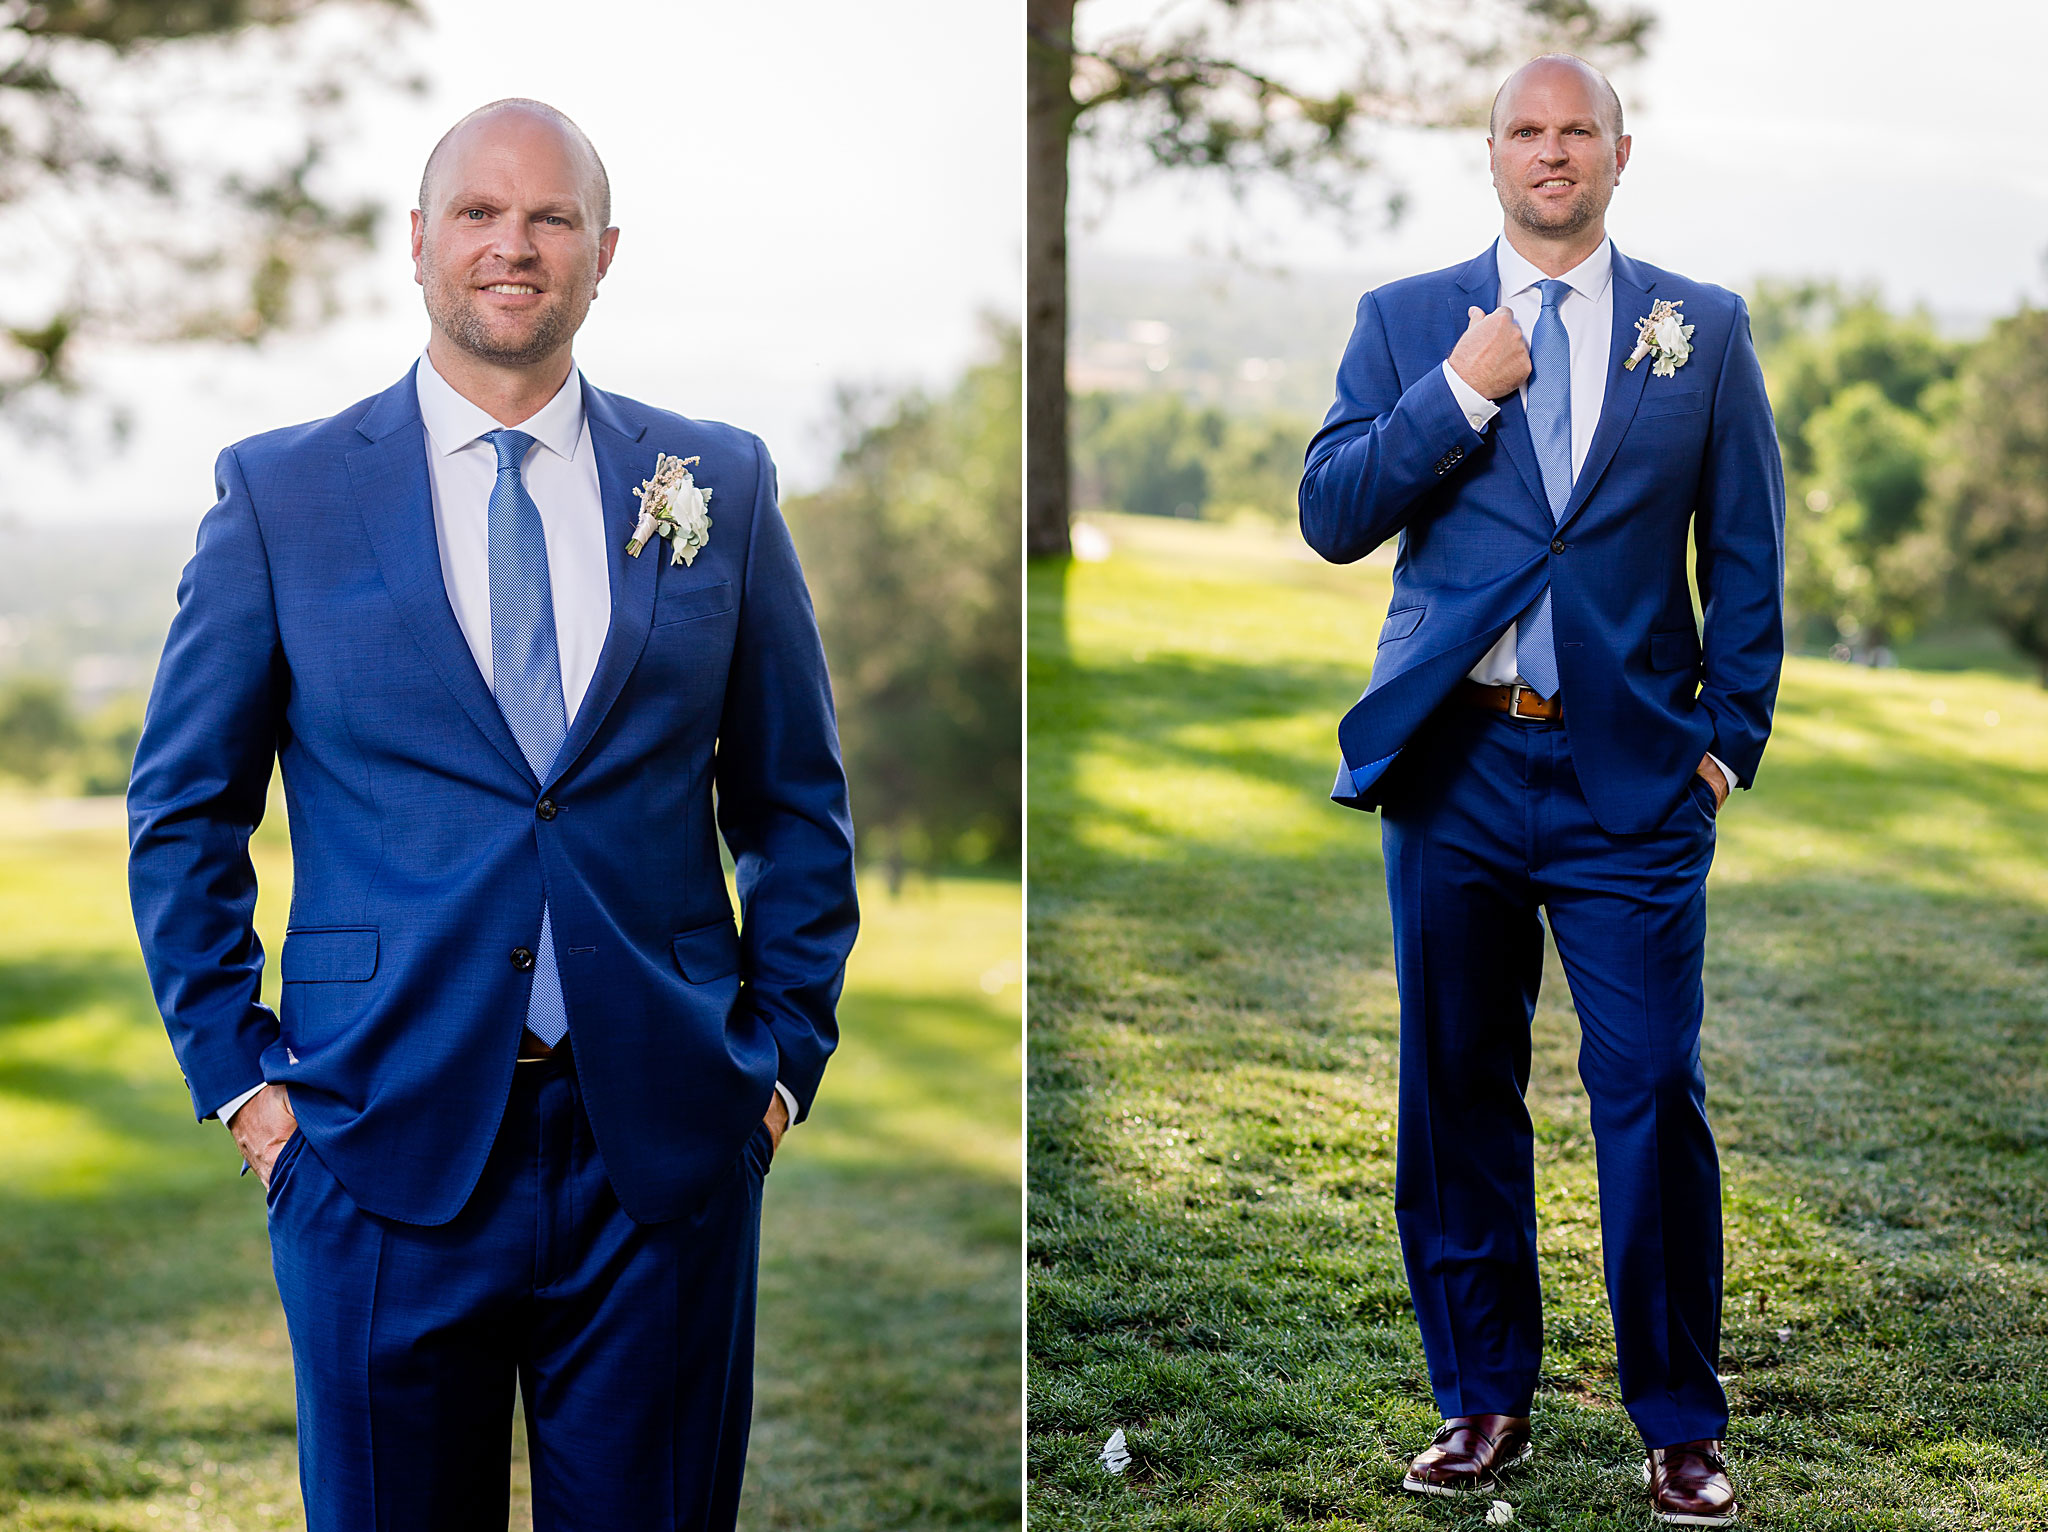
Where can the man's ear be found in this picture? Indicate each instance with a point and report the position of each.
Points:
(607, 246)
(1622, 146)
(419, 235)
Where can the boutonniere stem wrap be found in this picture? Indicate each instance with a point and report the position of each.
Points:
(1663, 334)
(675, 506)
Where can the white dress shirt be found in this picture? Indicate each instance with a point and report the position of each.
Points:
(1587, 312)
(1588, 316)
(561, 477)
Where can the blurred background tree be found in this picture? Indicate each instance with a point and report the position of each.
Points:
(1237, 88)
(160, 173)
(1861, 396)
(1996, 468)
(912, 557)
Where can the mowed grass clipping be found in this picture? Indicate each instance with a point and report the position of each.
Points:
(145, 1376)
(1213, 1262)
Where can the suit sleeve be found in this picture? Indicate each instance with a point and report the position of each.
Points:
(1382, 449)
(1739, 533)
(782, 805)
(196, 794)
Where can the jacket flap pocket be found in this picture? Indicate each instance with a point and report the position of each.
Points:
(341, 954)
(709, 952)
(684, 602)
(1400, 624)
(1674, 651)
(1681, 403)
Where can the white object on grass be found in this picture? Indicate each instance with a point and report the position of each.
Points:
(1499, 1514)
(1116, 1457)
(1090, 543)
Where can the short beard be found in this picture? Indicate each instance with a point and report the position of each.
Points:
(467, 329)
(452, 313)
(1582, 214)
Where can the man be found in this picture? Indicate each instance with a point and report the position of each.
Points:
(1546, 733)
(513, 1111)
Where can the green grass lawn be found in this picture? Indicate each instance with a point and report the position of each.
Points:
(145, 1379)
(1213, 1263)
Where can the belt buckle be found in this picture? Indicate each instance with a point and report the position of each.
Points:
(1515, 690)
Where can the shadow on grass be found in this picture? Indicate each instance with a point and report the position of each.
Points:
(1213, 1264)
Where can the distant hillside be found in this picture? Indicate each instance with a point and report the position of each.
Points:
(1215, 332)
(89, 605)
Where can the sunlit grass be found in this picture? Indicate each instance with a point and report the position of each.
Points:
(145, 1379)
(1213, 1073)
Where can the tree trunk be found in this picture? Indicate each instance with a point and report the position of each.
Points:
(1049, 97)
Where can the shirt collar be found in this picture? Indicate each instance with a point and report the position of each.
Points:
(1518, 273)
(454, 422)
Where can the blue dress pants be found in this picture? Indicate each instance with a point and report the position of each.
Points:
(1486, 832)
(632, 1344)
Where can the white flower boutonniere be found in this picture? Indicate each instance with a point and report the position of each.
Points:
(677, 507)
(1663, 334)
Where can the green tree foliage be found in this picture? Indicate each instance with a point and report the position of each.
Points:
(132, 207)
(1157, 455)
(37, 729)
(1860, 394)
(1997, 478)
(43, 742)
(912, 553)
(1871, 555)
(1150, 455)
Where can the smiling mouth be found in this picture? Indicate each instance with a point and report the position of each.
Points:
(514, 289)
(1556, 183)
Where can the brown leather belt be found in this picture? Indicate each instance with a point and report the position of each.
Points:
(533, 1051)
(1514, 698)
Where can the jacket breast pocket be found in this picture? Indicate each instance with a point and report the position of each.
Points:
(687, 603)
(1661, 402)
(708, 953)
(330, 955)
(1674, 651)
(1400, 624)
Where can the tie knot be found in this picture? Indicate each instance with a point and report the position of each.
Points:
(1554, 290)
(511, 447)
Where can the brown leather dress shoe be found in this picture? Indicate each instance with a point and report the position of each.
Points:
(1689, 1485)
(1469, 1453)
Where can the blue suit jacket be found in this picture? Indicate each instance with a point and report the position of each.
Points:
(313, 627)
(1646, 692)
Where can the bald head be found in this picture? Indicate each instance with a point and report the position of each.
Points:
(1551, 69)
(519, 116)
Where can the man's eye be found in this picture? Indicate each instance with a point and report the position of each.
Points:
(473, 213)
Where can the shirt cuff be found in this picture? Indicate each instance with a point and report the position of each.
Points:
(226, 1114)
(1477, 409)
(1726, 775)
(789, 1101)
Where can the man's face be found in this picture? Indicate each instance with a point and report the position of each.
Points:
(508, 249)
(1556, 160)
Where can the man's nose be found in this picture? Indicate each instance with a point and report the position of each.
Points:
(1552, 150)
(515, 240)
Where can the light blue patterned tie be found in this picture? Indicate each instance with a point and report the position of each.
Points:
(526, 674)
(1550, 425)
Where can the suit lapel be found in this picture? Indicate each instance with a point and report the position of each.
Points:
(613, 438)
(1479, 283)
(1624, 386)
(396, 502)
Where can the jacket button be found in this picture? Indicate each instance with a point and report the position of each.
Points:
(546, 809)
(1557, 545)
(522, 958)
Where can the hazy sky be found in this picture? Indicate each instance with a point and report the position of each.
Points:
(1887, 142)
(809, 192)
